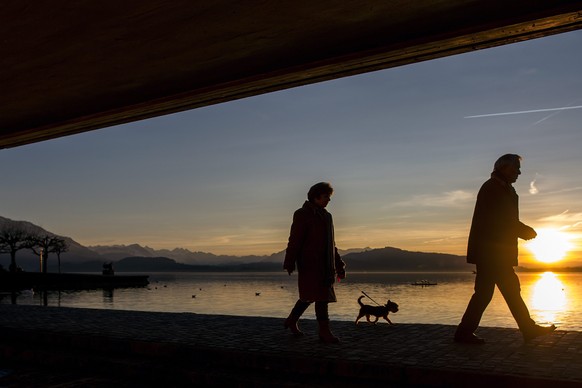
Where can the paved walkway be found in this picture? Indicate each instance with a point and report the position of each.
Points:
(128, 348)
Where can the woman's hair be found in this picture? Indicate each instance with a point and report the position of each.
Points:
(505, 160)
(319, 189)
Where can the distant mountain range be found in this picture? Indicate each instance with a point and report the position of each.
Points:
(137, 258)
(180, 255)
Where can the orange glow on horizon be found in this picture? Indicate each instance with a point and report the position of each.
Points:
(550, 245)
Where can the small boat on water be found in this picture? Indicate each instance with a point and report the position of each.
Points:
(423, 283)
(16, 281)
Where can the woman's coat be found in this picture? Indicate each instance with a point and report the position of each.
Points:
(310, 242)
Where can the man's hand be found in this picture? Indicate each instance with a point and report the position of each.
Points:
(529, 234)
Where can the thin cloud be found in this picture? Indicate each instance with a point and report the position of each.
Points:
(446, 199)
(547, 117)
(569, 223)
(445, 239)
(524, 112)
(554, 113)
(569, 220)
(533, 190)
(578, 188)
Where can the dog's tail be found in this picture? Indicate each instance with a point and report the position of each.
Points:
(360, 300)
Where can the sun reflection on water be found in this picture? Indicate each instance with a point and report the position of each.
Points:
(549, 299)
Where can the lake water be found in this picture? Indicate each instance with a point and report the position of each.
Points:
(551, 297)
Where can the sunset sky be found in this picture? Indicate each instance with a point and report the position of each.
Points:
(398, 145)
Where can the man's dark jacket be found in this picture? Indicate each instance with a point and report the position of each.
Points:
(496, 225)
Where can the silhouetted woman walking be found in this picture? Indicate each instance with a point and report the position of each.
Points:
(312, 249)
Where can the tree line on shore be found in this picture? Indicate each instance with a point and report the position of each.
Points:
(15, 236)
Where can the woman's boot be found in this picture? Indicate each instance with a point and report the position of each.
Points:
(291, 324)
(325, 334)
(293, 318)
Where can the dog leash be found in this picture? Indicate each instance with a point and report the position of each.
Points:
(368, 296)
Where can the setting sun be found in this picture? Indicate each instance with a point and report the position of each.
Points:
(550, 245)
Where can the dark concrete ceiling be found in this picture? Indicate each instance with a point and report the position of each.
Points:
(73, 66)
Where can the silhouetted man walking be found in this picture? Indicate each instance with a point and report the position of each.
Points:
(492, 247)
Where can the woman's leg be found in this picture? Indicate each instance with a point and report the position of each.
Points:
(296, 312)
(321, 311)
(322, 314)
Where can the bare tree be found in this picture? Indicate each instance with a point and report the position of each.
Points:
(60, 246)
(3, 249)
(42, 245)
(14, 237)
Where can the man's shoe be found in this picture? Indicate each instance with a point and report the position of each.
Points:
(469, 339)
(537, 331)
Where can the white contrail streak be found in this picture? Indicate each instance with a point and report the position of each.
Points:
(524, 111)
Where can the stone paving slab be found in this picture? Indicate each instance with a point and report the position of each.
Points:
(404, 354)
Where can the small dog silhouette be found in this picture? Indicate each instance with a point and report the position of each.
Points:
(377, 311)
